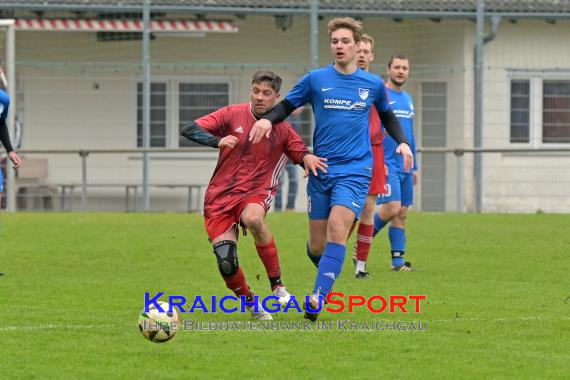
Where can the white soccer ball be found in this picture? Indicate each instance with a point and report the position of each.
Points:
(156, 326)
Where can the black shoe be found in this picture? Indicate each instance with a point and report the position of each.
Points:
(362, 275)
(407, 267)
(314, 305)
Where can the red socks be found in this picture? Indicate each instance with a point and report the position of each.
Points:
(364, 241)
(270, 259)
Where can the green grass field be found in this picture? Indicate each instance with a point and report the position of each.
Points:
(497, 286)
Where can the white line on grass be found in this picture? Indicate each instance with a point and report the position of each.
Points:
(517, 319)
(55, 326)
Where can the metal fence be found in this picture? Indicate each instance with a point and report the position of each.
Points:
(515, 180)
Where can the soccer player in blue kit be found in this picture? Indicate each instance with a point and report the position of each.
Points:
(341, 96)
(400, 182)
(5, 137)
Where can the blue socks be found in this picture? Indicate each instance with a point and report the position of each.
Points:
(378, 224)
(398, 243)
(329, 268)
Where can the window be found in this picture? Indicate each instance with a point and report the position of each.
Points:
(157, 115)
(540, 111)
(174, 102)
(198, 99)
(520, 111)
(433, 102)
(556, 112)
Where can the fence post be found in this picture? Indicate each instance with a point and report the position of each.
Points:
(459, 154)
(83, 154)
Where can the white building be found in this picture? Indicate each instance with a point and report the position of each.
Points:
(81, 90)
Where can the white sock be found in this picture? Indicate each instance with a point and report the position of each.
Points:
(360, 266)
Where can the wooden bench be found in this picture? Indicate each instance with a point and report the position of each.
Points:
(67, 192)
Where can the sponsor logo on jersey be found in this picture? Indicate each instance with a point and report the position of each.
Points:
(343, 104)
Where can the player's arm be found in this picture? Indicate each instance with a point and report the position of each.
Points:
(392, 126)
(299, 96)
(277, 114)
(193, 132)
(5, 139)
(299, 154)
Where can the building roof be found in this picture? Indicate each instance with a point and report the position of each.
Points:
(362, 7)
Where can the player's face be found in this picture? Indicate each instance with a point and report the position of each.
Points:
(399, 71)
(263, 98)
(364, 56)
(343, 47)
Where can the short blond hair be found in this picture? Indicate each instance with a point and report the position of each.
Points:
(346, 23)
(368, 38)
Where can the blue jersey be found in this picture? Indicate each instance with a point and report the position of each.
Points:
(4, 104)
(341, 104)
(403, 106)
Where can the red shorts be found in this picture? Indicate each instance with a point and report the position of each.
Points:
(220, 223)
(378, 182)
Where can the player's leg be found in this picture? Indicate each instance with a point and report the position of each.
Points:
(318, 209)
(389, 202)
(364, 236)
(253, 218)
(222, 231)
(348, 195)
(1, 199)
(397, 230)
(366, 226)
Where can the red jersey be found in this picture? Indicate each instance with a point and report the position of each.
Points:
(247, 169)
(376, 134)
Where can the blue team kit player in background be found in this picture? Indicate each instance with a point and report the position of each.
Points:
(5, 137)
(341, 95)
(400, 182)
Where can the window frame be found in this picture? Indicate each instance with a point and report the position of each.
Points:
(536, 110)
(172, 100)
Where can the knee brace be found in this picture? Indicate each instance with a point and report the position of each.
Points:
(226, 254)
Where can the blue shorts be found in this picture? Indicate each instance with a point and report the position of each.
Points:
(328, 190)
(399, 187)
(1, 181)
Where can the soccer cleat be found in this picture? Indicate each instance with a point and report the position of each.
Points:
(314, 305)
(260, 315)
(407, 267)
(283, 295)
(361, 275)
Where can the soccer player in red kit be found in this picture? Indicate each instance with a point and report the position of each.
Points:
(365, 230)
(245, 181)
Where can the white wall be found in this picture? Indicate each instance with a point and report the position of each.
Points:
(81, 94)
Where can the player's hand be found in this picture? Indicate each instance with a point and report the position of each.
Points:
(229, 141)
(261, 128)
(16, 160)
(416, 177)
(405, 151)
(312, 163)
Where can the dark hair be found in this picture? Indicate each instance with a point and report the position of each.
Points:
(267, 76)
(397, 56)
